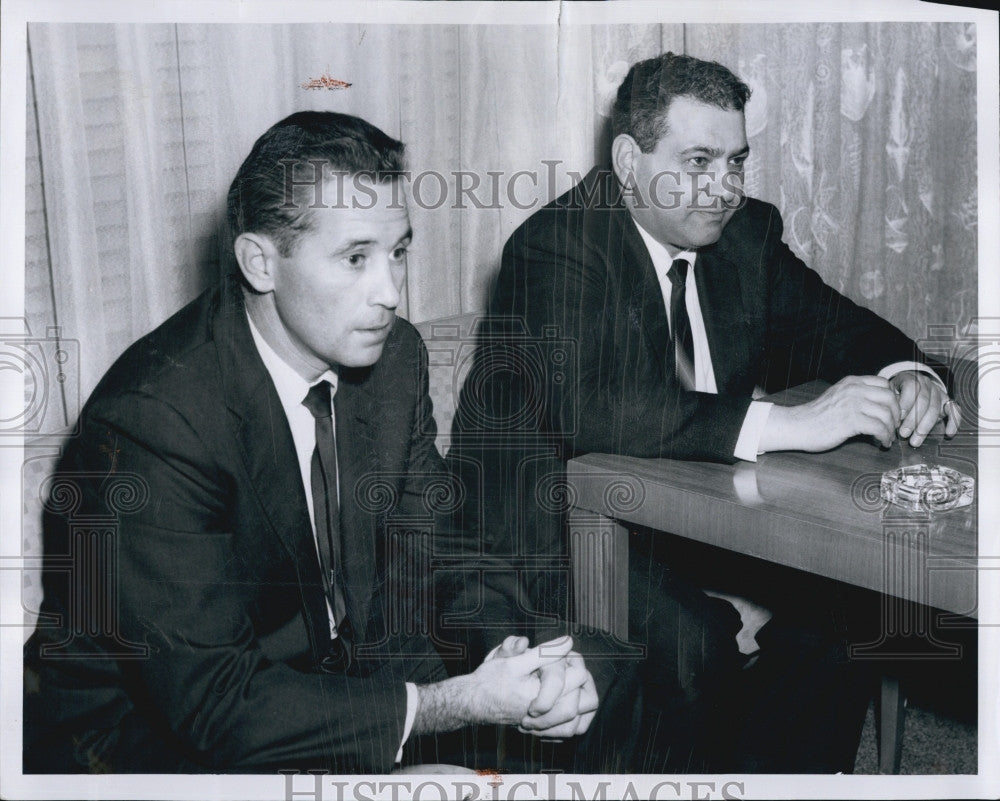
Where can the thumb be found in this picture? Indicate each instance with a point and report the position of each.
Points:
(907, 393)
(556, 648)
(511, 646)
(543, 654)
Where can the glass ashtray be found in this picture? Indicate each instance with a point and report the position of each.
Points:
(927, 488)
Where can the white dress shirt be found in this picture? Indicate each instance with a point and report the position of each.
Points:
(748, 444)
(292, 389)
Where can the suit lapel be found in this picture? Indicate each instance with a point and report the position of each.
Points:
(719, 297)
(357, 462)
(645, 298)
(265, 443)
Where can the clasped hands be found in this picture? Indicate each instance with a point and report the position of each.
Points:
(545, 691)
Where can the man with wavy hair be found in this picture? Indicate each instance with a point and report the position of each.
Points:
(682, 302)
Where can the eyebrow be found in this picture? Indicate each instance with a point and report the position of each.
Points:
(359, 243)
(713, 152)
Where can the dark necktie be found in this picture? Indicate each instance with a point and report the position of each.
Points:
(326, 509)
(680, 324)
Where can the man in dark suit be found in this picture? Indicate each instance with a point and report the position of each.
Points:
(680, 303)
(238, 573)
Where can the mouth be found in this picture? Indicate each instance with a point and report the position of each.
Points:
(713, 215)
(377, 330)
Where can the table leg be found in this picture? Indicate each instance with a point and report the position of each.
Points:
(599, 554)
(890, 717)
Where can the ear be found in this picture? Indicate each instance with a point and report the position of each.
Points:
(623, 151)
(257, 255)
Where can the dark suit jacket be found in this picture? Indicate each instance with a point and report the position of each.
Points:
(213, 654)
(574, 354)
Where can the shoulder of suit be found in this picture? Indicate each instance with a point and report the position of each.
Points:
(589, 207)
(758, 214)
(173, 356)
(754, 231)
(404, 338)
(162, 388)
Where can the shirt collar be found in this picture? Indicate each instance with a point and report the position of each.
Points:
(292, 388)
(660, 255)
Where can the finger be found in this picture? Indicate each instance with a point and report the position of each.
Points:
(907, 397)
(588, 704)
(571, 728)
(552, 678)
(878, 418)
(929, 419)
(889, 410)
(556, 734)
(583, 722)
(557, 647)
(907, 390)
(877, 421)
(561, 732)
(909, 422)
(589, 699)
(895, 413)
(866, 380)
(534, 658)
(577, 674)
(565, 709)
(922, 402)
(869, 398)
(512, 646)
(954, 414)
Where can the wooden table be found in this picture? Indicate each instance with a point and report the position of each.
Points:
(819, 513)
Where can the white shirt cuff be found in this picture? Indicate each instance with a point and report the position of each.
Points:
(900, 367)
(412, 699)
(748, 445)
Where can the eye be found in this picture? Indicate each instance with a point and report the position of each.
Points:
(399, 254)
(356, 259)
(701, 162)
(737, 162)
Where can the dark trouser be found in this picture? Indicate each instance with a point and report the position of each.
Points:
(133, 737)
(798, 708)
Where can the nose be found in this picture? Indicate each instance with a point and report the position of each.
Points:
(729, 188)
(387, 280)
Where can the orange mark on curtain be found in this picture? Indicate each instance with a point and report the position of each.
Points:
(325, 81)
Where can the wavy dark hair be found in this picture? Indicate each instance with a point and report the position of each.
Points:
(262, 199)
(640, 109)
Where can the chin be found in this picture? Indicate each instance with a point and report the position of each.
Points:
(705, 241)
(362, 358)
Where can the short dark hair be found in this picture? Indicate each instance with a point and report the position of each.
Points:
(257, 200)
(640, 108)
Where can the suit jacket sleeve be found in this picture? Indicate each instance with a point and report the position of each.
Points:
(813, 331)
(183, 590)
